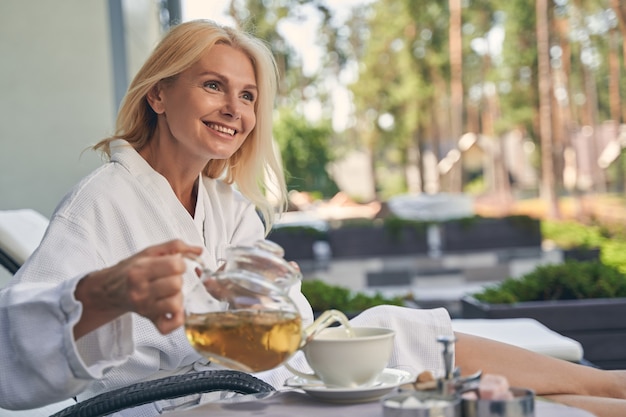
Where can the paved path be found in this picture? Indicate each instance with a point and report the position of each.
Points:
(433, 282)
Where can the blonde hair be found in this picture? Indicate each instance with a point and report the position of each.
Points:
(255, 168)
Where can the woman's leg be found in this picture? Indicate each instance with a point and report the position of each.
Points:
(600, 392)
(544, 374)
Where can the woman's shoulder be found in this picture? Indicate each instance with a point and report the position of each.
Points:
(106, 182)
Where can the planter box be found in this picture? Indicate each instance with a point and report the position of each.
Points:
(599, 325)
(358, 241)
(581, 254)
(491, 233)
(297, 242)
(364, 241)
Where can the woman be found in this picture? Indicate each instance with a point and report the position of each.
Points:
(100, 303)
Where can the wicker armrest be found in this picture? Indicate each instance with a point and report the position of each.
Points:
(166, 388)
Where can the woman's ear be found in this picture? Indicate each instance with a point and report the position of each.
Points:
(155, 99)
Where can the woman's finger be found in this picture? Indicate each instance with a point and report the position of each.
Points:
(171, 247)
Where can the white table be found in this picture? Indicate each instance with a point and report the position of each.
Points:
(296, 403)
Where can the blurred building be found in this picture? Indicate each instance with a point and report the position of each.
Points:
(65, 66)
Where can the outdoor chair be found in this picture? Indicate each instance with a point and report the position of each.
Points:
(527, 333)
(20, 234)
(166, 388)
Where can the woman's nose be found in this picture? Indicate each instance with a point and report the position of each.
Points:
(231, 108)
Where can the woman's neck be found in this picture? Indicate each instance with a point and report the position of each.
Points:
(182, 179)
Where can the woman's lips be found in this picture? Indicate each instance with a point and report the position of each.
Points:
(221, 128)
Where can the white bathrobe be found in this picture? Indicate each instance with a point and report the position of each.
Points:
(118, 210)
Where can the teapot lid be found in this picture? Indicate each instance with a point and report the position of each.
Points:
(265, 258)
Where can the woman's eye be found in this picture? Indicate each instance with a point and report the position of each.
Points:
(211, 85)
(248, 96)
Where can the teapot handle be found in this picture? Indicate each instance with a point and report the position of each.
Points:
(197, 295)
(199, 263)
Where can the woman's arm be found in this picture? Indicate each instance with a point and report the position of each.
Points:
(148, 283)
(40, 323)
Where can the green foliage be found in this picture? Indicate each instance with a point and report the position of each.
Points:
(519, 56)
(401, 50)
(305, 151)
(395, 225)
(358, 222)
(477, 186)
(323, 296)
(570, 280)
(570, 234)
(613, 252)
(521, 220)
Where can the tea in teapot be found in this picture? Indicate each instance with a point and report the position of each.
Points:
(247, 340)
(247, 321)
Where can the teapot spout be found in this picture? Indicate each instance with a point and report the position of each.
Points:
(326, 319)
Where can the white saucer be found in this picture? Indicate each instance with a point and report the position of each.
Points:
(383, 384)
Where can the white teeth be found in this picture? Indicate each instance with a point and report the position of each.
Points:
(221, 128)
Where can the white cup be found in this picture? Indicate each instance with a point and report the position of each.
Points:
(341, 359)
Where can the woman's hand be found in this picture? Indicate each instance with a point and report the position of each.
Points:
(148, 283)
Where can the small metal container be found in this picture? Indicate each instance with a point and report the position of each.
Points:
(421, 404)
(522, 405)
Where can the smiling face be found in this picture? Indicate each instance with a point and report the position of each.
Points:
(208, 110)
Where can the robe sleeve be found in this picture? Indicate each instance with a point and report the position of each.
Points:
(40, 362)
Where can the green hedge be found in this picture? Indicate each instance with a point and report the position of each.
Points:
(570, 280)
(570, 234)
(324, 296)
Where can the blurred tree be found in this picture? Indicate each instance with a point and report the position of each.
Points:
(619, 8)
(548, 190)
(408, 76)
(483, 29)
(436, 56)
(456, 87)
(387, 89)
(305, 151)
(517, 72)
(304, 138)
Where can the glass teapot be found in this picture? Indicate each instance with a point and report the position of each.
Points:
(242, 317)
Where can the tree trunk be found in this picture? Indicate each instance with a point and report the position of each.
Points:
(545, 119)
(615, 99)
(456, 88)
(614, 77)
(413, 171)
(561, 110)
(619, 7)
(591, 109)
